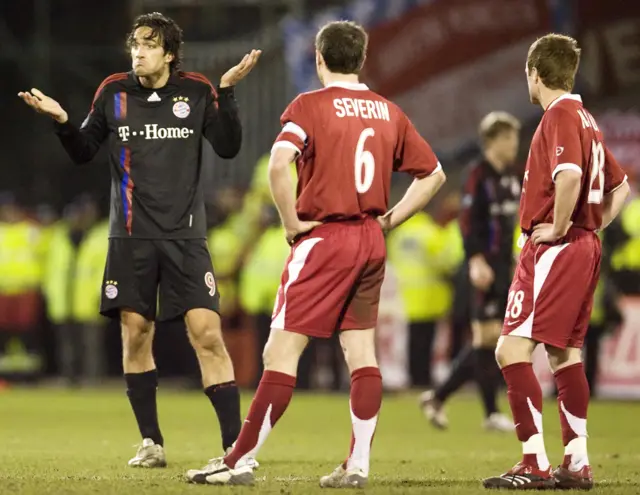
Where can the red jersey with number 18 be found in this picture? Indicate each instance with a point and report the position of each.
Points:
(349, 140)
(568, 138)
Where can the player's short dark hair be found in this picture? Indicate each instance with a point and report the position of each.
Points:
(343, 46)
(163, 29)
(556, 58)
(494, 124)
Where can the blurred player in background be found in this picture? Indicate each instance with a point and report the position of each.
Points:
(154, 119)
(572, 187)
(487, 222)
(346, 141)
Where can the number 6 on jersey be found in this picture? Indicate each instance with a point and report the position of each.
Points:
(364, 160)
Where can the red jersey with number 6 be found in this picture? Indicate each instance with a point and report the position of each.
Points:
(568, 138)
(349, 140)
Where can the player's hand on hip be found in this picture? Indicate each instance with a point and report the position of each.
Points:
(385, 223)
(41, 103)
(299, 229)
(545, 233)
(237, 73)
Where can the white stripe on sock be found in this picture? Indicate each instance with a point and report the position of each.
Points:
(265, 429)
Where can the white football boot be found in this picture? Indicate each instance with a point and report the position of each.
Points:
(221, 474)
(433, 410)
(149, 455)
(200, 475)
(498, 422)
(343, 478)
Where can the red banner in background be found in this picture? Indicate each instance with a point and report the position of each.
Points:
(622, 134)
(449, 63)
(440, 36)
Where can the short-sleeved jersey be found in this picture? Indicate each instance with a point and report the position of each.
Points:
(349, 141)
(568, 138)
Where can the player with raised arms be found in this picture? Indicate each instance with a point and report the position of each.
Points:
(153, 120)
(572, 187)
(346, 141)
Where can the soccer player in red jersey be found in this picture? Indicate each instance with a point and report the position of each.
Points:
(346, 141)
(572, 187)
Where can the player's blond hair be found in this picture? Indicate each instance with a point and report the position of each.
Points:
(556, 58)
(494, 124)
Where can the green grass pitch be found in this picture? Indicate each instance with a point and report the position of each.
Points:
(78, 442)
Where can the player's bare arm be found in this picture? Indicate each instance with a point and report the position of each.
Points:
(420, 192)
(282, 192)
(42, 103)
(613, 203)
(567, 187)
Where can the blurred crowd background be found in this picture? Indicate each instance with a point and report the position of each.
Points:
(447, 63)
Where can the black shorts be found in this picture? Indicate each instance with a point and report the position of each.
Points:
(141, 274)
(491, 304)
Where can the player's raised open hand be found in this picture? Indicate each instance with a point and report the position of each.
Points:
(41, 103)
(299, 229)
(237, 73)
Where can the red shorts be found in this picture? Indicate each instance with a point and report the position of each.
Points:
(551, 295)
(332, 279)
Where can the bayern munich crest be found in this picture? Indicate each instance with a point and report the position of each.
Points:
(111, 289)
(181, 108)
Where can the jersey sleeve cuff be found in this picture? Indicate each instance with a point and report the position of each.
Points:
(436, 170)
(565, 166)
(618, 186)
(66, 128)
(226, 91)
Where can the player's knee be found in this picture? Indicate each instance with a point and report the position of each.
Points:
(359, 349)
(137, 334)
(209, 339)
(561, 358)
(205, 333)
(276, 355)
(511, 350)
(282, 351)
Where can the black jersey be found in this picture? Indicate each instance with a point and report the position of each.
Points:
(489, 213)
(154, 138)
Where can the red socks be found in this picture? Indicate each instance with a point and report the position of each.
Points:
(365, 401)
(573, 401)
(525, 398)
(271, 400)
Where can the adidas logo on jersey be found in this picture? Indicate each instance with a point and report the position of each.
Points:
(152, 131)
(154, 97)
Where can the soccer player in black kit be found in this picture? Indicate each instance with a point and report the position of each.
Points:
(489, 206)
(153, 120)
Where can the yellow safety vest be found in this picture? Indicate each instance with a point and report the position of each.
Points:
(260, 276)
(59, 270)
(418, 250)
(87, 283)
(20, 263)
(225, 248)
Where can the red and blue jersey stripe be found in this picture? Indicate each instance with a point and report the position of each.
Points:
(120, 105)
(126, 187)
